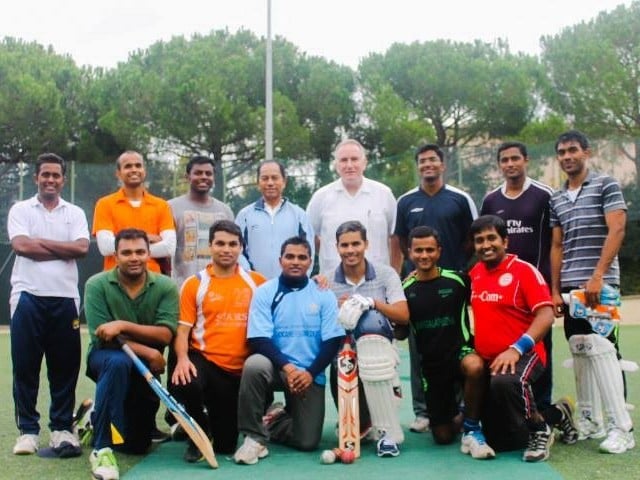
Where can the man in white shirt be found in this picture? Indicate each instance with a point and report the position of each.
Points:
(352, 197)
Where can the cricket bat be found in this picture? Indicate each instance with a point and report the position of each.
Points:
(190, 426)
(348, 410)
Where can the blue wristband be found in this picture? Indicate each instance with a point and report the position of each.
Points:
(524, 344)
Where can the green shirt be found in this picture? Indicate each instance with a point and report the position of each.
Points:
(105, 300)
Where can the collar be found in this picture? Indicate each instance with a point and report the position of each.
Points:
(260, 204)
(506, 262)
(525, 187)
(369, 273)
(292, 283)
(112, 276)
(34, 202)
(588, 179)
(121, 197)
(365, 186)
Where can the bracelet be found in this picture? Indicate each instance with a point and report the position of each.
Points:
(524, 344)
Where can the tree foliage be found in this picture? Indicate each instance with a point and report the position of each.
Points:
(593, 72)
(464, 91)
(38, 100)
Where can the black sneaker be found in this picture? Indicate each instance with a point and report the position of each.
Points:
(192, 454)
(539, 446)
(567, 426)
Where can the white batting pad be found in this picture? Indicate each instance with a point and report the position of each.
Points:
(377, 361)
(605, 368)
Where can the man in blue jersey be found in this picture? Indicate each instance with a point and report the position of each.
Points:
(588, 217)
(294, 333)
(523, 203)
(438, 307)
(270, 220)
(449, 211)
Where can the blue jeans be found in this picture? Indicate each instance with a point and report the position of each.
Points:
(125, 405)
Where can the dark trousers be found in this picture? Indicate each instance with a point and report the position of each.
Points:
(49, 327)
(510, 404)
(125, 405)
(542, 388)
(217, 390)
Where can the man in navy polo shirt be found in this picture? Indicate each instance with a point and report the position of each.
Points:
(450, 212)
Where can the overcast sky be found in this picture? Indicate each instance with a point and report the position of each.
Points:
(102, 33)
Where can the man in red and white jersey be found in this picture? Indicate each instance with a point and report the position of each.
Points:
(513, 311)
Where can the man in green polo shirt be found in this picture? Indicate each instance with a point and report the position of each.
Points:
(142, 307)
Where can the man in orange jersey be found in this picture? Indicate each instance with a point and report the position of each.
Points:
(211, 343)
(133, 207)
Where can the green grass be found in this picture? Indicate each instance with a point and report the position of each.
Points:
(573, 462)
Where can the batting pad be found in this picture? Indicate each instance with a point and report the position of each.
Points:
(377, 361)
(589, 404)
(603, 362)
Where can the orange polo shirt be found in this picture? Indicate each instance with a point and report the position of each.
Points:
(219, 329)
(114, 212)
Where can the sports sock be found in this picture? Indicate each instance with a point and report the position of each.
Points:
(470, 425)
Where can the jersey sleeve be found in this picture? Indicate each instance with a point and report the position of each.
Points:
(400, 228)
(166, 218)
(260, 321)
(330, 328)
(612, 198)
(392, 212)
(314, 214)
(102, 219)
(534, 287)
(17, 223)
(167, 309)
(188, 301)
(393, 286)
(79, 225)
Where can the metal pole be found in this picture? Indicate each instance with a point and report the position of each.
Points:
(73, 182)
(268, 131)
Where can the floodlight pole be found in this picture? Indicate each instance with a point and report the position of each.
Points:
(268, 130)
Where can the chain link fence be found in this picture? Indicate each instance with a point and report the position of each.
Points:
(473, 169)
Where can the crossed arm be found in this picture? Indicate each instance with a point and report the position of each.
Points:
(43, 249)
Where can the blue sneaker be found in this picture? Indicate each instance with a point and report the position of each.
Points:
(474, 444)
(386, 447)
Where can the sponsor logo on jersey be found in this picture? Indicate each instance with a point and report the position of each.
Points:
(485, 296)
(505, 279)
(516, 226)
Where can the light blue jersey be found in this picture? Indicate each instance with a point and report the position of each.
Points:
(297, 321)
(264, 234)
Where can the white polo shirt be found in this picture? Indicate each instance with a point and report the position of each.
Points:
(373, 205)
(50, 278)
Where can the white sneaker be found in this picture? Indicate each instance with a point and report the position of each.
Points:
(104, 465)
(250, 452)
(476, 445)
(618, 441)
(419, 425)
(588, 428)
(26, 444)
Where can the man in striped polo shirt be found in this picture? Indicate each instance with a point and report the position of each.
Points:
(588, 216)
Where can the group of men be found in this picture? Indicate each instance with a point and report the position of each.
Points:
(243, 319)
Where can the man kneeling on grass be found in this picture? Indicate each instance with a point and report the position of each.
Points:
(513, 311)
(142, 307)
(294, 333)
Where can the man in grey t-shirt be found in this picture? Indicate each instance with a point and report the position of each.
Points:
(193, 214)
